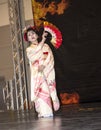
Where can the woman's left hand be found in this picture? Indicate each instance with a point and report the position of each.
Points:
(44, 35)
(41, 68)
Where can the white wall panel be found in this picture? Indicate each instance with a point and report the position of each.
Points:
(28, 9)
(4, 17)
(6, 62)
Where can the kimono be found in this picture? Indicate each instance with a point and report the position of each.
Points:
(43, 84)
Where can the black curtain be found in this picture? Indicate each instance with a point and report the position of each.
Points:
(78, 60)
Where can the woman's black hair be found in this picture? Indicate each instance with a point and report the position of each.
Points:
(36, 31)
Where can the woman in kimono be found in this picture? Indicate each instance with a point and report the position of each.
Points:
(43, 84)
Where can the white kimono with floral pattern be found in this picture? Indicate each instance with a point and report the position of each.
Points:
(43, 85)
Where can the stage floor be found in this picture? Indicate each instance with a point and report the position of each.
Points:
(86, 116)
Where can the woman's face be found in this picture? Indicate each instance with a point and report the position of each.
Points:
(32, 36)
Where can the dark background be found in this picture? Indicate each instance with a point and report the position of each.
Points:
(78, 60)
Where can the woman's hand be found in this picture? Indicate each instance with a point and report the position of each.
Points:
(44, 36)
(41, 68)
